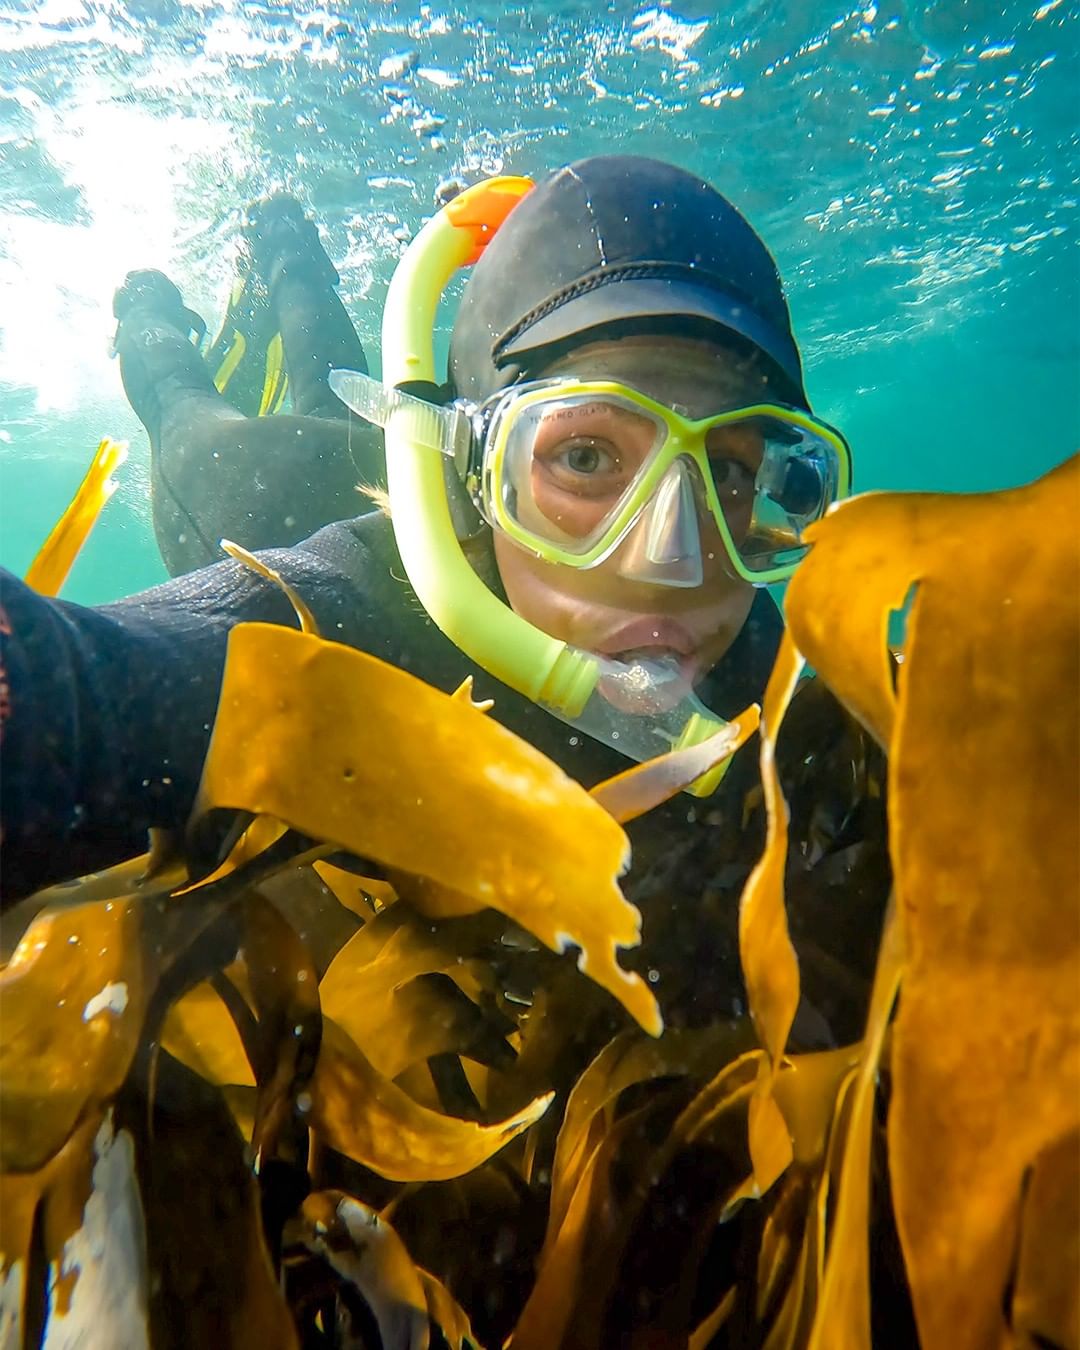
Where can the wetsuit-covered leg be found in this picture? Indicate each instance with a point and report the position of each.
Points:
(317, 333)
(215, 474)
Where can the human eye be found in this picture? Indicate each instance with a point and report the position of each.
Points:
(586, 465)
(735, 454)
(731, 475)
(586, 456)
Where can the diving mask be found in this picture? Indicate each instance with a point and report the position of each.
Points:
(664, 478)
(576, 471)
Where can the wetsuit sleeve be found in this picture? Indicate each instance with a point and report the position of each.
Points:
(107, 712)
(100, 734)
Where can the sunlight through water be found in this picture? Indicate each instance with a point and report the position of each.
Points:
(912, 168)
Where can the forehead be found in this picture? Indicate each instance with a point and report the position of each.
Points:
(697, 378)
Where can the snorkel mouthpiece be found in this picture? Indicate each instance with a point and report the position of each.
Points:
(564, 679)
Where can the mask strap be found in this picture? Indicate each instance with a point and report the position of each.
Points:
(438, 395)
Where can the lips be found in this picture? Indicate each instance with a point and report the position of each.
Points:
(646, 634)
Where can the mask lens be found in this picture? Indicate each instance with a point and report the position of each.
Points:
(794, 486)
(567, 468)
(736, 451)
(570, 462)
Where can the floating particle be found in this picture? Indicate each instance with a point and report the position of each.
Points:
(442, 78)
(428, 123)
(394, 67)
(448, 189)
(996, 49)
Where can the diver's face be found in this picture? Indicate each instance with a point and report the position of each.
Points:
(600, 610)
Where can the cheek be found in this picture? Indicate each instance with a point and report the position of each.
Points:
(529, 588)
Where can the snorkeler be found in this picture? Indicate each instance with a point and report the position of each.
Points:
(217, 468)
(588, 512)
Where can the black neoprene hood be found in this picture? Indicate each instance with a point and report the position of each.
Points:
(610, 245)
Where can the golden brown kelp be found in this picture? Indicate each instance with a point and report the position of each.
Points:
(322, 1077)
(49, 569)
(983, 943)
(102, 1136)
(141, 979)
(982, 736)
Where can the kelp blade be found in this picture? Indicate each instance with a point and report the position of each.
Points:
(48, 571)
(769, 965)
(984, 809)
(348, 749)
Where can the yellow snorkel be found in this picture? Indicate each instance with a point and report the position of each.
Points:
(562, 678)
(546, 670)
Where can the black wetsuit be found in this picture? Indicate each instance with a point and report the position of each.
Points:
(215, 473)
(108, 716)
(115, 704)
(107, 712)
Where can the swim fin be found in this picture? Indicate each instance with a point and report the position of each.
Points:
(246, 357)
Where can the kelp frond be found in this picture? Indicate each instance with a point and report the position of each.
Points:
(327, 1076)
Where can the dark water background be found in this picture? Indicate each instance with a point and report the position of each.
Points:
(913, 167)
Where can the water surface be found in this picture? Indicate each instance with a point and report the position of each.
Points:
(913, 168)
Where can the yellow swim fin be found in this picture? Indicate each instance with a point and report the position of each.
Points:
(276, 383)
(246, 357)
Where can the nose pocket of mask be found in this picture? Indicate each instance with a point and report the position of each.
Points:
(664, 546)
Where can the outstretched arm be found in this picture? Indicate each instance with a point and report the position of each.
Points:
(106, 713)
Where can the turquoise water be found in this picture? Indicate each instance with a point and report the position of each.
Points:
(913, 167)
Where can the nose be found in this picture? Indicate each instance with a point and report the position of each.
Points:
(664, 545)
